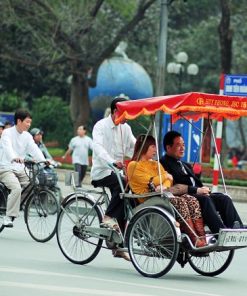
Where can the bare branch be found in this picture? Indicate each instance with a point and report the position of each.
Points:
(127, 28)
(93, 13)
(96, 8)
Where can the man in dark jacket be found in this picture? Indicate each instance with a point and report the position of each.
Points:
(218, 210)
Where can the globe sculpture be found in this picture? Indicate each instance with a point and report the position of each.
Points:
(117, 76)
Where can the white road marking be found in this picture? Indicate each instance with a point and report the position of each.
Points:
(67, 289)
(6, 269)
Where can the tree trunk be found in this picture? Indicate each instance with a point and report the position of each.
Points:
(225, 36)
(79, 101)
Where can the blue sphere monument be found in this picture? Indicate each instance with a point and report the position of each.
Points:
(118, 75)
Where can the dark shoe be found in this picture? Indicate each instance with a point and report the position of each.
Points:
(236, 225)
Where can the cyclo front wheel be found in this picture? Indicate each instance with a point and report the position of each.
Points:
(211, 264)
(152, 242)
(76, 243)
(41, 213)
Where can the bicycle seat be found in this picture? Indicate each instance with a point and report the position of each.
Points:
(95, 184)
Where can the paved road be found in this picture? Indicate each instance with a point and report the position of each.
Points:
(30, 268)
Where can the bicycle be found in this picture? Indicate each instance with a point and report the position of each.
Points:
(48, 178)
(152, 237)
(39, 204)
(81, 207)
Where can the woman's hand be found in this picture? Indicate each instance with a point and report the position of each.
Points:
(158, 188)
(170, 177)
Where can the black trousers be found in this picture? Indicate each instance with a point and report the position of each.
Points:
(218, 211)
(81, 169)
(116, 205)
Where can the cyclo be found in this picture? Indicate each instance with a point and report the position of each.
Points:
(152, 237)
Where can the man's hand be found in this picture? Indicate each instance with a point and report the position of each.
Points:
(18, 160)
(47, 162)
(119, 164)
(203, 191)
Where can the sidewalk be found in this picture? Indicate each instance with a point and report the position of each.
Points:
(237, 193)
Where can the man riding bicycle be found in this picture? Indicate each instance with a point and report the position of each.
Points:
(17, 143)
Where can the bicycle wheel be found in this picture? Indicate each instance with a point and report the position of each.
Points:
(2, 210)
(152, 242)
(3, 204)
(41, 213)
(211, 264)
(75, 242)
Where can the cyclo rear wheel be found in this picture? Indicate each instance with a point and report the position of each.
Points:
(77, 245)
(41, 214)
(152, 242)
(211, 264)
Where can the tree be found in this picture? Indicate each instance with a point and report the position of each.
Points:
(51, 115)
(225, 36)
(74, 35)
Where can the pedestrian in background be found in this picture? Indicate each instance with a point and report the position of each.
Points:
(79, 146)
(7, 124)
(38, 139)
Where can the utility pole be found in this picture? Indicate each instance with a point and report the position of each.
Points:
(161, 66)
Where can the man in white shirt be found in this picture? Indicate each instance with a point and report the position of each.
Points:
(17, 143)
(80, 146)
(111, 144)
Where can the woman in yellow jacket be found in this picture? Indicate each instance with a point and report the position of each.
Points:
(145, 174)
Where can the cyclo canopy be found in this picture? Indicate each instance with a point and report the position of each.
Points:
(192, 105)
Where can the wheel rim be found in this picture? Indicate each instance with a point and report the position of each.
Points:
(2, 209)
(42, 213)
(153, 244)
(77, 245)
(211, 264)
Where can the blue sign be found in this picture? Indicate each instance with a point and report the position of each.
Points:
(191, 134)
(7, 116)
(235, 85)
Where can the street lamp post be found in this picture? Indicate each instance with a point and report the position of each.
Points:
(179, 68)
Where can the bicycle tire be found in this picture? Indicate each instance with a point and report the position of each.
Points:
(41, 214)
(211, 264)
(152, 242)
(74, 242)
(3, 205)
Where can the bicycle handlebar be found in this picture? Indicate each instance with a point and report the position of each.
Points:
(114, 167)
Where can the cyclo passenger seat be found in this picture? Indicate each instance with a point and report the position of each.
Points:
(153, 199)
